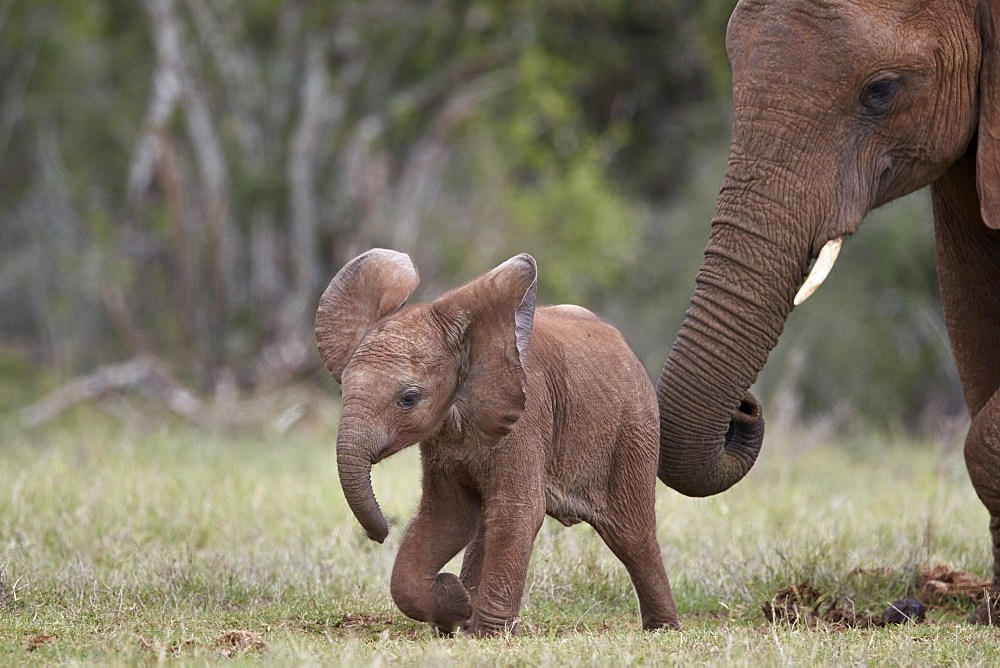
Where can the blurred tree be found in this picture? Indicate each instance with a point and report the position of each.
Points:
(181, 178)
(199, 169)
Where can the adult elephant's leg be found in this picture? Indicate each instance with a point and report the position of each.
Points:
(982, 457)
(445, 523)
(968, 259)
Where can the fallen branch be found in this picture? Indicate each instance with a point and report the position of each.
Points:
(87, 388)
(149, 377)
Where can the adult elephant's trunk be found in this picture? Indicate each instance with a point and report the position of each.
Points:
(711, 426)
(354, 465)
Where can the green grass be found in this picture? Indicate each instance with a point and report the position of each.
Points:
(129, 545)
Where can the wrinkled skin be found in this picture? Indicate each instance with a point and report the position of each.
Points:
(839, 107)
(519, 413)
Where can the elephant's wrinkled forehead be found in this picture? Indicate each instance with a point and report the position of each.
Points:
(800, 54)
(802, 31)
(828, 8)
(409, 339)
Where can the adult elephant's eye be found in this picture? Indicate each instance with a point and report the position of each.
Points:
(408, 399)
(878, 96)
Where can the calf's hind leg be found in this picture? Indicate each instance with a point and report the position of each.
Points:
(631, 535)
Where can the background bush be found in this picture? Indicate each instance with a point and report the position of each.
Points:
(181, 178)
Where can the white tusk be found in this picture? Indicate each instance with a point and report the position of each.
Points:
(820, 269)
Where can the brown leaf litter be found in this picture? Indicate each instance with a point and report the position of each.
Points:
(238, 641)
(939, 583)
(937, 586)
(40, 640)
(805, 604)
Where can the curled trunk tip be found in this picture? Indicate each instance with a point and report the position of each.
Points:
(355, 479)
(715, 465)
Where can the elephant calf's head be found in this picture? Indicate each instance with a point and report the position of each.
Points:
(409, 372)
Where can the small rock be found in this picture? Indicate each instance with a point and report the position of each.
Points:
(903, 611)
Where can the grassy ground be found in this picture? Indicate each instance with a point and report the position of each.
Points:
(137, 545)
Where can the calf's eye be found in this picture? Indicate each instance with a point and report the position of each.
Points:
(408, 399)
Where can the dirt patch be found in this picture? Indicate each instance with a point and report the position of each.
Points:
(8, 595)
(229, 643)
(351, 625)
(237, 642)
(367, 626)
(40, 640)
(362, 622)
(163, 650)
(804, 604)
(943, 587)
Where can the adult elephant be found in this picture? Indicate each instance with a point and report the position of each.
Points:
(840, 106)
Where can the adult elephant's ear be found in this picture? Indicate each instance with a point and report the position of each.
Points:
(489, 323)
(369, 287)
(988, 150)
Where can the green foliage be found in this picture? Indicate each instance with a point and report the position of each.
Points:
(713, 18)
(21, 380)
(553, 181)
(588, 232)
(589, 133)
(646, 79)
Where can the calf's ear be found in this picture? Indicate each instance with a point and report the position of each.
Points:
(988, 148)
(489, 322)
(368, 288)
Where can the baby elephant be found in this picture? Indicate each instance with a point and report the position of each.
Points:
(519, 412)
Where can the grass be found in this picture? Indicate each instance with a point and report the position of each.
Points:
(129, 545)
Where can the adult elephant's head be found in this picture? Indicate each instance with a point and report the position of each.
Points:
(838, 107)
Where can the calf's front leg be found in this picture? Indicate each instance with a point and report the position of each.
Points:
(509, 529)
(444, 524)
